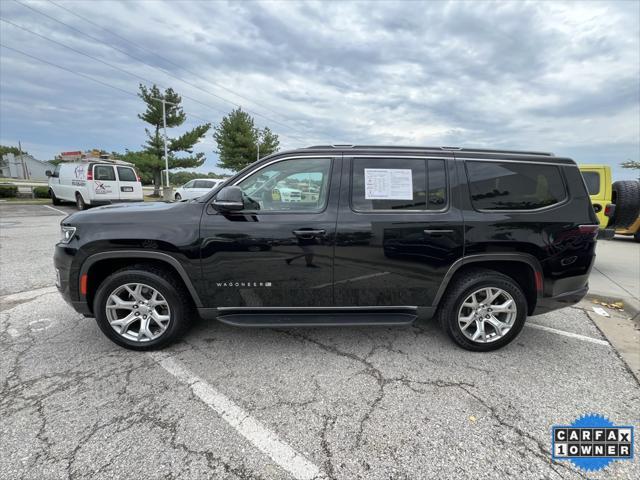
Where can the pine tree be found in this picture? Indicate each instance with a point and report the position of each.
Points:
(237, 139)
(153, 164)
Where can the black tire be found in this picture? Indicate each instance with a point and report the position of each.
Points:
(80, 202)
(178, 299)
(178, 197)
(54, 199)
(463, 286)
(626, 197)
(636, 236)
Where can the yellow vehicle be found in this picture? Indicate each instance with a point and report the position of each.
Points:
(633, 229)
(598, 181)
(617, 204)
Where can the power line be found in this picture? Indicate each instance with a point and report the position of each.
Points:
(103, 62)
(88, 77)
(95, 39)
(142, 47)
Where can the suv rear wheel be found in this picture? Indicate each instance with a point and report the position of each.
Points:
(483, 310)
(142, 308)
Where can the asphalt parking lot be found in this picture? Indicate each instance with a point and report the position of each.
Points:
(367, 403)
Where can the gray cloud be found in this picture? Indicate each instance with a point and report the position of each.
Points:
(548, 75)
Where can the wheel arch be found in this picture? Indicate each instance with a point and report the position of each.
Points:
(510, 264)
(99, 266)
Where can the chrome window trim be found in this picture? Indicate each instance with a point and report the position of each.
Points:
(567, 195)
(498, 160)
(397, 211)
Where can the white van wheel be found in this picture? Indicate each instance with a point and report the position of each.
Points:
(80, 202)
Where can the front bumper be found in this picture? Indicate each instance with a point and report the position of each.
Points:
(67, 278)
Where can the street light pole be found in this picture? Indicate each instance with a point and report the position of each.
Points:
(166, 155)
(164, 123)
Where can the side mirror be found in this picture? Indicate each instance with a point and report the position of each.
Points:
(48, 173)
(228, 199)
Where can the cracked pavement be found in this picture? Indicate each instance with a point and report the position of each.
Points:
(368, 403)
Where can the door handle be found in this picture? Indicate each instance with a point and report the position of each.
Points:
(309, 233)
(438, 232)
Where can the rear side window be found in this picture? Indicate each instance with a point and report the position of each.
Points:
(514, 186)
(104, 172)
(398, 184)
(592, 180)
(208, 183)
(203, 184)
(127, 174)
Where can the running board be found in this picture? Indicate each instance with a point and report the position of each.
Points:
(316, 318)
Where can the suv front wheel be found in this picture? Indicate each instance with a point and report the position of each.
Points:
(483, 310)
(142, 308)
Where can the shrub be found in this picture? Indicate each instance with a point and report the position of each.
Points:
(8, 191)
(41, 192)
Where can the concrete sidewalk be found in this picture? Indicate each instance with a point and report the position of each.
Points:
(616, 274)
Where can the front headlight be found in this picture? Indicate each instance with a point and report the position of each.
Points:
(67, 233)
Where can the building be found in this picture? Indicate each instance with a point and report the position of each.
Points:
(24, 167)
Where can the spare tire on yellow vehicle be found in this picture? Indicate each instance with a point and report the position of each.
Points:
(626, 198)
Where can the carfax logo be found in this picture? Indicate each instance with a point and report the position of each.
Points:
(592, 442)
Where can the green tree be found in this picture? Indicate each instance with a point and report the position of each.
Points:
(144, 162)
(10, 149)
(153, 164)
(237, 138)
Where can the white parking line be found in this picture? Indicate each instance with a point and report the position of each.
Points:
(57, 210)
(250, 428)
(564, 333)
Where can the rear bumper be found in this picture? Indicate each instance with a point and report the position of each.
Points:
(566, 299)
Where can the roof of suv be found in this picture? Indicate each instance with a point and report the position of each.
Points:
(479, 153)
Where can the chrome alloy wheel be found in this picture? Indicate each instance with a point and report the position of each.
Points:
(487, 315)
(138, 312)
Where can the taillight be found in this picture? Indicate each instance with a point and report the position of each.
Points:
(609, 210)
(589, 230)
(90, 174)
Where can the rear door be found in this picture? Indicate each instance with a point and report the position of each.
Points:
(105, 184)
(130, 187)
(398, 230)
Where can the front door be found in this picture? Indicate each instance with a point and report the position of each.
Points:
(277, 252)
(398, 231)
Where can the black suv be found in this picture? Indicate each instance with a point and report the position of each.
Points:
(342, 235)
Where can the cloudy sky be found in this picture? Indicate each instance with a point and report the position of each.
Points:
(562, 77)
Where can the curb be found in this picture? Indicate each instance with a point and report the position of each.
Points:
(629, 309)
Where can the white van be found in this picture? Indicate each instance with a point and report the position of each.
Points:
(97, 182)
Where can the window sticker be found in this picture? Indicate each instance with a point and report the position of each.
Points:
(388, 184)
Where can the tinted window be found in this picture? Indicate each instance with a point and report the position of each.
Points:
(104, 172)
(398, 184)
(127, 174)
(208, 183)
(592, 180)
(514, 186)
(203, 184)
(291, 185)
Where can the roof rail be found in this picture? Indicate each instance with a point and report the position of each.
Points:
(426, 148)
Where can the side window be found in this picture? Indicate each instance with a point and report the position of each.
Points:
(592, 180)
(514, 186)
(398, 184)
(290, 185)
(126, 174)
(56, 171)
(208, 184)
(104, 172)
(189, 184)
